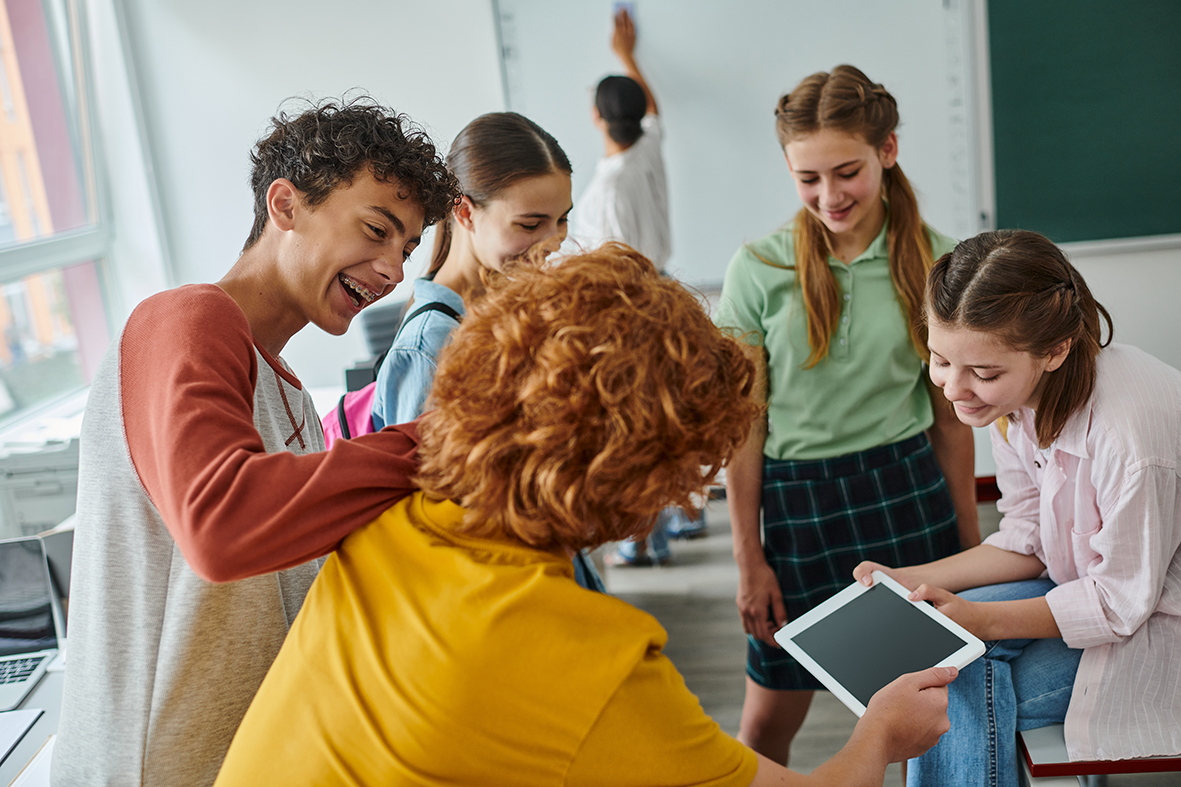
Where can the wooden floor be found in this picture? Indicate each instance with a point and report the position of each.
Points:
(694, 600)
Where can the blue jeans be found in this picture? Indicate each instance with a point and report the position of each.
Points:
(657, 542)
(1019, 684)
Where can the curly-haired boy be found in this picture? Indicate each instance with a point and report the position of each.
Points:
(447, 643)
(205, 496)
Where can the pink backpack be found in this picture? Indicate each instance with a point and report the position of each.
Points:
(354, 411)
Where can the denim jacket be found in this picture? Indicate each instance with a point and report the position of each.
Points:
(405, 378)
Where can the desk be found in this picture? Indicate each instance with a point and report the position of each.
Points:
(48, 697)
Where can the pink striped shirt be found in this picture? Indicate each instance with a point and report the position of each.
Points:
(1101, 508)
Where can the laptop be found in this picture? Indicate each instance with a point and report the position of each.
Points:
(28, 618)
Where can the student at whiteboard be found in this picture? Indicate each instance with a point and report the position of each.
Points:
(627, 198)
(853, 458)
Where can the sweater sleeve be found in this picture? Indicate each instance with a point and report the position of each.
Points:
(187, 375)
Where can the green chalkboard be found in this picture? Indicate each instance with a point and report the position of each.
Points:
(1086, 112)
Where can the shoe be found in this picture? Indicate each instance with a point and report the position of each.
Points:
(689, 533)
(640, 560)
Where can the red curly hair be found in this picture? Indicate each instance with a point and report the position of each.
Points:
(579, 398)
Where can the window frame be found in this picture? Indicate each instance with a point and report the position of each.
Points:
(66, 27)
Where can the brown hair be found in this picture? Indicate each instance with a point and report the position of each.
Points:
(493, 152)
(325, 146)
(581, 397)
(1019, 287)
(847, 101)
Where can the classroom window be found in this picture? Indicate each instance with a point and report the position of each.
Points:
(53, 320)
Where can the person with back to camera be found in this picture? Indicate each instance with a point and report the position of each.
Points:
(1078, 596)
(853, 460)
(205, 496)
(515, 184)
(627, 200)
(447, 642)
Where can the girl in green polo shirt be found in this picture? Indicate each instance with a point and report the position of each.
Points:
(854, 459)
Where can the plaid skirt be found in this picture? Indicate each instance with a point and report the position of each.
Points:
(822, 517)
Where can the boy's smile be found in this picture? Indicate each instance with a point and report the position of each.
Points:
(349, 251)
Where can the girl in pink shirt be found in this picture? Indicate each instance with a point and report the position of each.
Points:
(1079, 594)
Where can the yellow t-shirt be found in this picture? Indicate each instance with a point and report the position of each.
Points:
(424, 657)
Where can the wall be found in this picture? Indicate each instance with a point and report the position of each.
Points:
(212, 73)
(717, 71)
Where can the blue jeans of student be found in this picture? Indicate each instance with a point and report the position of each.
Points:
(1019, 684)
(657, 542)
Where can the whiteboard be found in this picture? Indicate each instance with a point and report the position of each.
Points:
(717, 70)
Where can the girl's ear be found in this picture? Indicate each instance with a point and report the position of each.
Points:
(463, 213)
(888, 152)
(1059, 354)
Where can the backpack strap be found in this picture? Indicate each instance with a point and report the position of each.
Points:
(342, 419)
(431, 306)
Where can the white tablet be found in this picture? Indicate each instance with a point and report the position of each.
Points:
(864, 637)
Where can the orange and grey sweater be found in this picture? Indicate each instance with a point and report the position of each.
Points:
(205, 500)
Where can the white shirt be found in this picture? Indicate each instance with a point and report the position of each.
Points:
(1101, 508)
(627, 200)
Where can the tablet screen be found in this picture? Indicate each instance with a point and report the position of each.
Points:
(875, 638)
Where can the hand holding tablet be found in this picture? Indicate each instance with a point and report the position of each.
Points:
(864, 637)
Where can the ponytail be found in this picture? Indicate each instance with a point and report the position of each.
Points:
(822, 297)
(441, 248)
(911, 257)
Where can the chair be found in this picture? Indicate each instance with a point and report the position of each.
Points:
(1043, 762)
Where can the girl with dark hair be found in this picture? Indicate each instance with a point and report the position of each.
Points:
(856, 458)
(1079, 594)
(515, 184)
(627, 198)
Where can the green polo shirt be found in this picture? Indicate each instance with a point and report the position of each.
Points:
(868, 391)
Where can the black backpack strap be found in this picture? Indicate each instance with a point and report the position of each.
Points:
(340, 416)
(430, 306)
